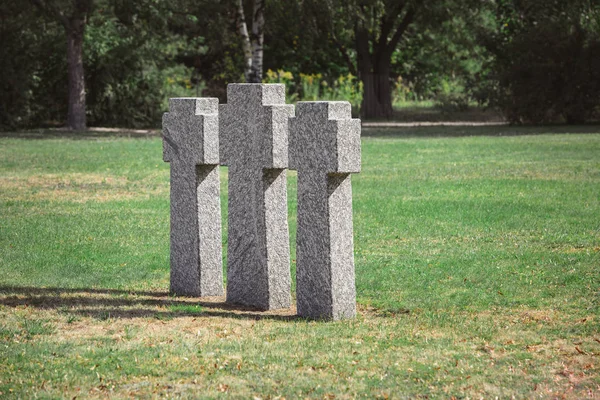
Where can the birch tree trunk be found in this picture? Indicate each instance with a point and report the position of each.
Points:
(246, 45)
(258, 37)
(252, 45)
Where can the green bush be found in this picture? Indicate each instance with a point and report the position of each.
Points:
(33, 82)
(553, 75)
(452, 96)
(345, 87)
(131, 68)
(546, 66)
(311, 87)
(130, 75)
(285, 77)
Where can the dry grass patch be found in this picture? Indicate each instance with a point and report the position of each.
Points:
(78, 188)
(149, 344)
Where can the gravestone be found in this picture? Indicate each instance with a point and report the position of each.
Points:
(325, 150)
(253, 128)
(191, 146)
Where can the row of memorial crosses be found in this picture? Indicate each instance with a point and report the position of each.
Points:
(258, 137)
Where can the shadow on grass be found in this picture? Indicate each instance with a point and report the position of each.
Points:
(467, 130)
(112, 303)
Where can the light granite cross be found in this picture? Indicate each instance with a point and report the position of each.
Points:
(191, 145)
(325, 150)
(253, 128)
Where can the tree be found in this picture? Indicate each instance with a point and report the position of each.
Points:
(132, 61)
(74, 25)
(31, 76)
(545, 66)
(374, 52)
(376, 29)
(252, 45)
(296, 43)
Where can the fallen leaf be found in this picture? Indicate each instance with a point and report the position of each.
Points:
(223, 387)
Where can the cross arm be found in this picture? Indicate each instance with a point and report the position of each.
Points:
(190, 131)
(324, 135)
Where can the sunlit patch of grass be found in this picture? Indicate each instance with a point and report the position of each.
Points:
(188, 309)
(24, 326)
(477, 276)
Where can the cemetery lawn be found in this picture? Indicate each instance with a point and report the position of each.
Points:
(477, 262)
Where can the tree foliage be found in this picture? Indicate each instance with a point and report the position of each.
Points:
(545, 64)
(131, 59)
(534, 59)
(382, 41)
(73, 16)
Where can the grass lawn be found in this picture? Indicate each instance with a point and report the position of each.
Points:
(477, 261)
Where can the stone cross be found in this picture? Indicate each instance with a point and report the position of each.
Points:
(325, 149)
(253, 128)
(191, 145)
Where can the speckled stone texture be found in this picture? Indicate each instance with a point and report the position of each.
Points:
(325, 149)
(191, 145)
(253, 128)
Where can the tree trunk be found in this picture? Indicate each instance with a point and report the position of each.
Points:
(374, 58)
(377, 101)
(374, 72)
(383, 89)
(74, 25)
(76, 119)
(252, 45)
(258, 37)
(246, 45)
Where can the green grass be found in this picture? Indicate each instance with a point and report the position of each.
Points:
(477, 261)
